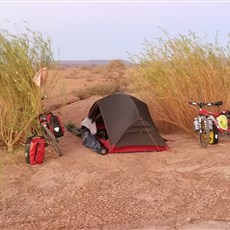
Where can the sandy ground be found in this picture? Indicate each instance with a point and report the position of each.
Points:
(186, 187)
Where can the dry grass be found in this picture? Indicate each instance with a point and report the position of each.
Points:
(179, 70)
(21, 57)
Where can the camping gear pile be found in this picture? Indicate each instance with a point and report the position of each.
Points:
(35, 145)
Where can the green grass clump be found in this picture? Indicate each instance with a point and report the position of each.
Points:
(177, 70)
(21, 56)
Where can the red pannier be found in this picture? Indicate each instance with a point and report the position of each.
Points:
(55, 125)
(35, 150)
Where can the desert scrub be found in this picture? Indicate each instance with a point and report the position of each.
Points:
(99, 90)
(116, 65)
(21, 56)
(173, 71)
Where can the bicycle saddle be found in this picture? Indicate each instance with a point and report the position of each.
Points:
(218, 103)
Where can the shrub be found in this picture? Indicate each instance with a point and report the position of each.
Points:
(116, 65)
(21, 56)
(181, 69)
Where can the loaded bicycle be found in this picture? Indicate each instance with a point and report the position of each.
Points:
(209, 125)
(50, 132)
(51, 125)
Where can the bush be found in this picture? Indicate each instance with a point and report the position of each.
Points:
(181, 69)
(116, 65)
(21, 56)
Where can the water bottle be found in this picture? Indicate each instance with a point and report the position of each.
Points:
(196, 124)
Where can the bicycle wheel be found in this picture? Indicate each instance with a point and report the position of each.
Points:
(53, 141)
(203, 133)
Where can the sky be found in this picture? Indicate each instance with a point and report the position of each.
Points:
(107, 30)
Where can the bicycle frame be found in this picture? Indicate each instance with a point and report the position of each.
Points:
(49, 136)
(213, 117)
(43, 120)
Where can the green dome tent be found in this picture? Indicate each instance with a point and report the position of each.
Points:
(127, 123)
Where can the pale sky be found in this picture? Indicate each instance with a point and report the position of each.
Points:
(105, 30)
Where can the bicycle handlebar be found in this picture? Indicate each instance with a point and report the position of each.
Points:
(201, 104)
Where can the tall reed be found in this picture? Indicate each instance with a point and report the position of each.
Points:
(177, 70)
(21, 56)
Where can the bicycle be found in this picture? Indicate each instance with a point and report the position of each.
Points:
(51, 136)
(207, 122)
(48, 134)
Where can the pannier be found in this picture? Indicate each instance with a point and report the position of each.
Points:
(35, 150)
(55, 125)
(213, 135)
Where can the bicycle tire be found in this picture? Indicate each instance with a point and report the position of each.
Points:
(53, 141)
(204, 132)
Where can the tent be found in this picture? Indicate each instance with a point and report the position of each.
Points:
(124, 124)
